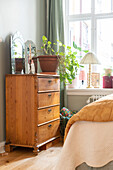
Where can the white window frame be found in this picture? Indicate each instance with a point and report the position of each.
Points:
(87, 16)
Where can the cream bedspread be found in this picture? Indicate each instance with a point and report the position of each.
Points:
(99, 111)
(89, 142)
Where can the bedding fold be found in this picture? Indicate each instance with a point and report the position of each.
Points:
(98, 111)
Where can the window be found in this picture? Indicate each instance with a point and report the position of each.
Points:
(90, 24)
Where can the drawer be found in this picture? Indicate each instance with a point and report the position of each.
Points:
(48, 131)
(46, 84)
(48, 99)
(48, 114)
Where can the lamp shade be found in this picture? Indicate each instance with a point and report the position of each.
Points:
(90, 58)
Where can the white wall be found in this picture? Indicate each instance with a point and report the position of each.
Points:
(26, 16)
(18, 15)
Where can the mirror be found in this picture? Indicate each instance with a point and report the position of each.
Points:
(30, 53)
(17, 53)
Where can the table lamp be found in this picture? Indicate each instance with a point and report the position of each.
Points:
(89, 58)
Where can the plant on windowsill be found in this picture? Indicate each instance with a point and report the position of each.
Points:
(64, 58)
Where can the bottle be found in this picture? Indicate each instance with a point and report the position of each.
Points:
(32, 67)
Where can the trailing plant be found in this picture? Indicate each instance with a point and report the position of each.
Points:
(68, 58)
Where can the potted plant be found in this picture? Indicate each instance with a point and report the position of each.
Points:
(64, 58)
(49, 60)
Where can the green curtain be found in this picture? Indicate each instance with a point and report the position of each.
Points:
(55, 22)
(55, 28)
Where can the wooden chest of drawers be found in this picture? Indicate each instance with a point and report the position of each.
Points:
(32, 110)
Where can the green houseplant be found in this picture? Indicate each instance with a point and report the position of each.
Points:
(64, 58)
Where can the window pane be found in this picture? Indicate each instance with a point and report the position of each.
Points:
(103, 6)
(80, 32)
(79, 6)
(105, 42)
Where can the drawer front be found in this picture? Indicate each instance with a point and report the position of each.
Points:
(48, 99)
(48, 131)
(48, 114)
(45, 84)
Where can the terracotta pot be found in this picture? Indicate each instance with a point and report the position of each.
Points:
(19, 65)
(48, 63)
(35, 63)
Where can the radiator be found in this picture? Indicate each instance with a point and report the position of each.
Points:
(94, 98)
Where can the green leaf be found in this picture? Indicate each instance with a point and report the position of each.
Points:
(79, 48)
(44, 38)
(74, 53)
(81, 66)
(61, 54)
(56, 53)
(74, 45)
(52, 50)
(86, 51)
(49, 42)
(68, 47)
(15, 45)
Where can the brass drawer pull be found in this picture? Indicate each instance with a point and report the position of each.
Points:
(49, 81)
(49, 95)
(49, 110)
(49, 125)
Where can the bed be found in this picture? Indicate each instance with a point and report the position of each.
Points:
(89, 138)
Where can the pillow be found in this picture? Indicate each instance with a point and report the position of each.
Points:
(66, 112)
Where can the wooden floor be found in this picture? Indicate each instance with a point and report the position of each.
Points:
(24, 159)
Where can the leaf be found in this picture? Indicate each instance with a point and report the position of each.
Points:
(86, 51)
(15, 45)
(44, 38)
(61, 54)
(80, 56)
(49, 42)
(81, 66)
(74, 45)
(52, 50)
(74, 53)
(70, 67)
(79, 48)
(68, 47)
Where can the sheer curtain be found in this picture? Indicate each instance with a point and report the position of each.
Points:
(55, 28)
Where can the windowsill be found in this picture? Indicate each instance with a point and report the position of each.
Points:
(91, 91)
